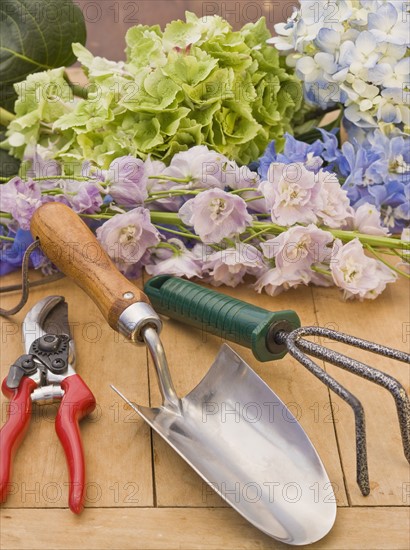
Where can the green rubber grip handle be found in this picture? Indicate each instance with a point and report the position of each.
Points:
(216, 313)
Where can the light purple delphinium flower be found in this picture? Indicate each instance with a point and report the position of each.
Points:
(21, 199)
(367, 220)
(275, 280)
(240, 177)
(127, 181)
(295, 252)
(215, 215)
(127, 237)
(179, 262)
(334, 205)
(83, 196)
(357, 274)
(199, 165)
(93, 172)
(154, 168)
(291, 193)
(229, 266)
(299, 246)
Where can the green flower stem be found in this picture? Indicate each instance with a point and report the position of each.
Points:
(54, 192)
(6, 117)
(345, 236)
(405, 257)
(243, 190)
(170, 178)
(180, 233)
(98, 216)
(171, 193)
(174, 249)
(250, 199)
(381, 259)
(47, 178)
(4, 238)
(5, 179)
(321, 270)
(79, 91)
(254, 234)
(6, 215)
(372, 240)
(167, 218)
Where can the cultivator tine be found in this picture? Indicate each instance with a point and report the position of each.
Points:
(300, 349)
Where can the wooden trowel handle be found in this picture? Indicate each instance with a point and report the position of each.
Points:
(73, 248)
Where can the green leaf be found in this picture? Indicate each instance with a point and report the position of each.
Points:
(35, 35)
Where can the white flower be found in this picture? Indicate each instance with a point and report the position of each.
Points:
(405, 235)
(367, 220)
(391, 76)
(361, 54)
(229, 266)
(391, 108)
(362, 103)
(335, 210)
(291, 193)
(340, 48)
(215, 215)
(178, 261)
(404, 265)
(299, 246)
(199, 165)
(238, 177)
(275, 280)
(358, 275)
(387, 25)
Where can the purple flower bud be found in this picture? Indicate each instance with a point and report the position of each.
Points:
(215, 215)
(39, 166)
(128, 181)
(83, 197)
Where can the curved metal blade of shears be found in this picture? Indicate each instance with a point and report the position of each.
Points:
(48, 316)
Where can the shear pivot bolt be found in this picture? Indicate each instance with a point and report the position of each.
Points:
(128, 295)
(49, 343)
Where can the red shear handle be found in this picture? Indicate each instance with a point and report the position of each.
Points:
(14, 430)
(78, 401)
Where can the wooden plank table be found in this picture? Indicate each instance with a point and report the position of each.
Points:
(141, 495)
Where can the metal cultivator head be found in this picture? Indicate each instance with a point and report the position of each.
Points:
(301, 349)
(271, 334)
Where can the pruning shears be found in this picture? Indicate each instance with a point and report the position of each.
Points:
(45, 374)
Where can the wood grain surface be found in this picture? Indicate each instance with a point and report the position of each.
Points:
(140, 494)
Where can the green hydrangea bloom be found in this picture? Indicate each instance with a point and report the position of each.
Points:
(197, 82)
